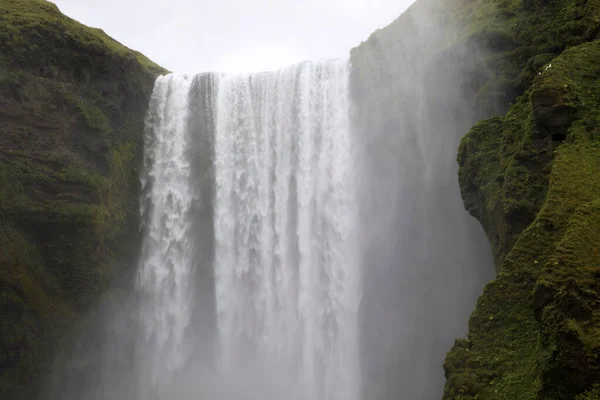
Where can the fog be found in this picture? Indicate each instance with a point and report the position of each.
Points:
(304, 235)
(425, 260)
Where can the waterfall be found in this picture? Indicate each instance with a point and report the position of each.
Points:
(292, 249)
(167, 260)
(249, 265)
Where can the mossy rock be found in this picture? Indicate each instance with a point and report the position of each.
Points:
(533, 180)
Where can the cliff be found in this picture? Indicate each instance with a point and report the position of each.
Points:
(532, 177)
(72, 107)
(530, 174)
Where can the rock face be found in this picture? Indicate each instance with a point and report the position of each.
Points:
(532, 178)
(72, 107)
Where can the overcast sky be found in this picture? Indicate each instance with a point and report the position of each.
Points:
(236, 35)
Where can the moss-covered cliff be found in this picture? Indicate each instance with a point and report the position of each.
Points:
(532, 178)
(72, 105)
(530, 175)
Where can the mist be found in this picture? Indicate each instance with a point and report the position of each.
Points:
(303, 233)
(425, 260)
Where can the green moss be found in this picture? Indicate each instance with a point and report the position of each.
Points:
(123, 161)
(93, 117)
(593, 394)
(533, 180)
(28, 296)
(504, 171)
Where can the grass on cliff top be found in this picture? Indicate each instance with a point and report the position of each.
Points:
(44, 16)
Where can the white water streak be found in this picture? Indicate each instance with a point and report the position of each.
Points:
(168, 247)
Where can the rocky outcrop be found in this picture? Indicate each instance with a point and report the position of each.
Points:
(532, 177)
(72, 107)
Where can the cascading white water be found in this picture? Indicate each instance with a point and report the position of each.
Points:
(166, 254)
(286, 278)
(286, 275)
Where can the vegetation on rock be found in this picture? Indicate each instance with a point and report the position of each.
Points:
(532, 178)
(521, 36)
(72, 104)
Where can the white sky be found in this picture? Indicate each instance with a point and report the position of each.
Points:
(236, 35)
